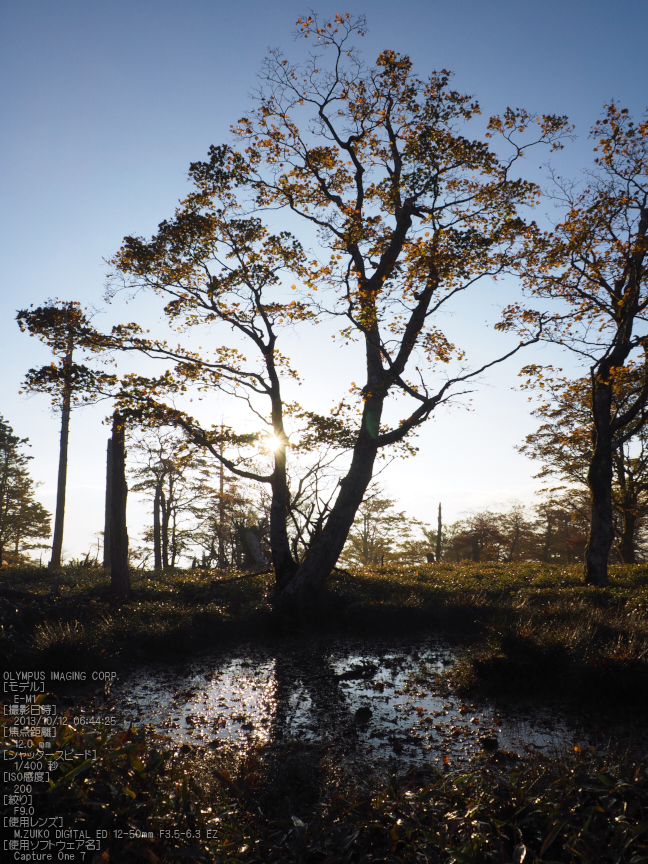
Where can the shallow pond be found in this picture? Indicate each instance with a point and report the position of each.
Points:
(378, 701)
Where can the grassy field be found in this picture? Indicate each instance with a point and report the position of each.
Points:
(523, 626)
(527, 627)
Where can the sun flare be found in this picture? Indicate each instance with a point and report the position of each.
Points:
(272, 443)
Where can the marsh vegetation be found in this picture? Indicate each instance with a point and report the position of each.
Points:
(442, 712)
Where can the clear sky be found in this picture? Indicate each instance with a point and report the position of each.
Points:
(104, 105)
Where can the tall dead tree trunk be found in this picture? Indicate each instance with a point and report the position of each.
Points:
(165, 509)
(119, 574)
(173, 545)
(221, 516)
(107, 517)
(157, 529)
(66, 407)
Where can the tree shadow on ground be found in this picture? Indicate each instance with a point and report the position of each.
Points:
(312, 730)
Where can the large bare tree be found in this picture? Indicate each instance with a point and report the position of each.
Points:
(408, 211)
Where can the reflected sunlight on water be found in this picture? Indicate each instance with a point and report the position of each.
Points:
(226, 700)
(381, 701)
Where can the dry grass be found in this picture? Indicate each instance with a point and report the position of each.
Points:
(528, 625)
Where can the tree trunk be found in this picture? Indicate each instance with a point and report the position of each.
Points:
(627, 538)
(164, 529)
(157, 541)
(599, 481)
(222, 561)
(57, 541)
(627, 502)
(174, 537)
(283, 562)
(251, 545)
(119, 575)
(237, 552)
(366, 555)
(107, 510)
(323, 555)
(514, 544)
(597, 552)
(476, 551)
(546, 552)
(438, 537)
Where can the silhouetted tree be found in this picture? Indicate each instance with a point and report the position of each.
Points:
(593, 264)
(379, 533)
(22, 519)
(561, 526)
(563, 444)
(409, 213)
(120, 584)
(178, 479)
(478, 537)
(65, 329)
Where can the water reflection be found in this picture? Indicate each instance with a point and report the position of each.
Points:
(380, 703)
(229, 699)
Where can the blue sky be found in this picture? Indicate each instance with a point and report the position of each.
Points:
(104, 105)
